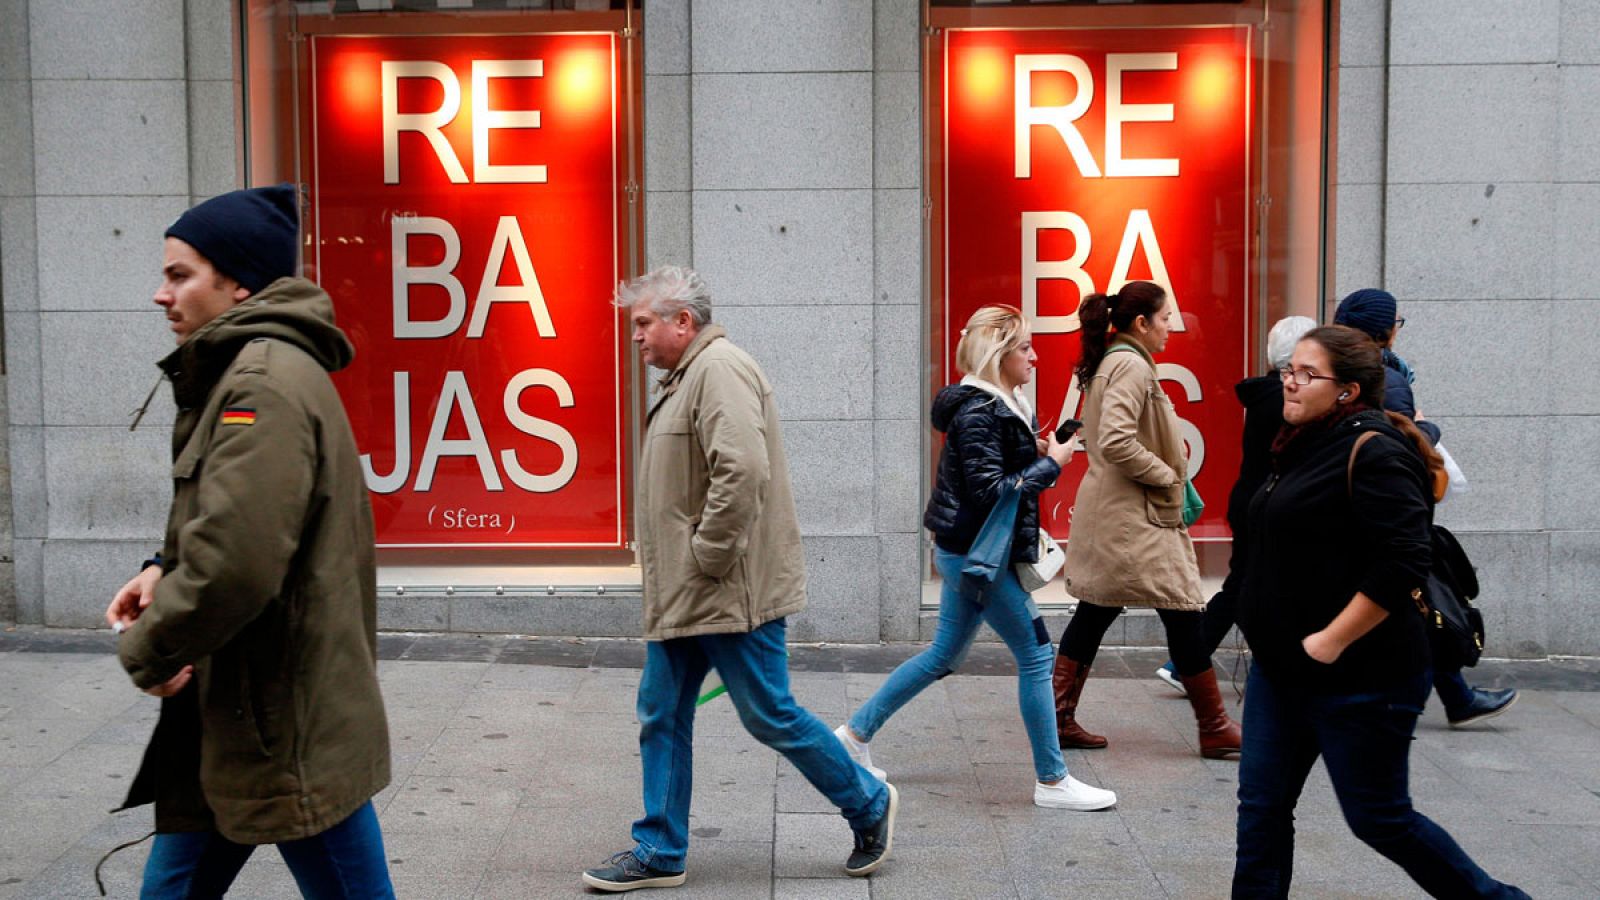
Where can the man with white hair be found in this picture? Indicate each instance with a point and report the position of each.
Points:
(723, 565)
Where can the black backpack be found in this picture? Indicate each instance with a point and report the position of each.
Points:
(1455, 627)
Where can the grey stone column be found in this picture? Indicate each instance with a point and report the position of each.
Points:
(782, 162)
(108, 170)
(1479, 208)
(18, 289)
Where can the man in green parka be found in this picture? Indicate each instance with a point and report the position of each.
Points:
(256, 624)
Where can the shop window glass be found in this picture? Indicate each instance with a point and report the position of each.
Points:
(471, 170)
(1071, 147)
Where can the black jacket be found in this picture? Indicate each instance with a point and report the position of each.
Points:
(1397, 395)
(984, 441)
(1316, 539)
(1262, 399)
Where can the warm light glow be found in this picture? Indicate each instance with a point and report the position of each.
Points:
(983, 75)
(1211, 84)
(358, 81)
(580, 79)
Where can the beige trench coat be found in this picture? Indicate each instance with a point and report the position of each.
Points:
(1128, 544)
(719, 541)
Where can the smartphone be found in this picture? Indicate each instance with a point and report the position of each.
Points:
(1067, 430)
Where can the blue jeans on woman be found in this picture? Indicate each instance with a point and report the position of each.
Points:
(755, 669)
(1009, 610)
(1365, 742)
(343, 863)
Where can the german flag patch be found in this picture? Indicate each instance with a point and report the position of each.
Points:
(239, 415)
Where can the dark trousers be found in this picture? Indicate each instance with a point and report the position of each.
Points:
(1365, 742)
(1185, 641)
(1218, 618)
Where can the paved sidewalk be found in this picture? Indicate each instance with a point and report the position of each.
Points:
(516, 766)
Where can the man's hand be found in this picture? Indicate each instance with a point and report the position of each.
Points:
(172, 685)
(131, 600)
(1321, 647)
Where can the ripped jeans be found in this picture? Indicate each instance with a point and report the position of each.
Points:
(1009, 610)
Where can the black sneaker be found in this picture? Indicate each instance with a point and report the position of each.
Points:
(624, 872)
(872, 844)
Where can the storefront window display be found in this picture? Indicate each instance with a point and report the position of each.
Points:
(1074, 147)
(471, 174)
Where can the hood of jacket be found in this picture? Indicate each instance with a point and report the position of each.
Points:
(292, 310)
(1259, 389)
(952, 398)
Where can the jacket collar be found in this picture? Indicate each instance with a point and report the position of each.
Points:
(669, 382)
(1125, 341)
(292, 310)
(1014, 400)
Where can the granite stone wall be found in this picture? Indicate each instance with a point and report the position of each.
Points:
(1468, 186)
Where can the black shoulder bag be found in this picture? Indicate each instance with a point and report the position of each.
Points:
(1454, 625)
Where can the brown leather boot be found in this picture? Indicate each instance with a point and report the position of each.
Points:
(1219, 735)
(1068, 682)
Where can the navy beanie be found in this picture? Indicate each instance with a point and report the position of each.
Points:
(1370, 310)
(249, 236)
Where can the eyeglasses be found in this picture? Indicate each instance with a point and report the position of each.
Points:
(1399, 323)
(1302, 377)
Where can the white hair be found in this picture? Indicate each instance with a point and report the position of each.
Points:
(1283, 336)
(667, 290)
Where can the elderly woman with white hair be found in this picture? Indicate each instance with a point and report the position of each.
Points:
(1262, 399)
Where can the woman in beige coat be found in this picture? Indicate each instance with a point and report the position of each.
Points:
(1129, 546)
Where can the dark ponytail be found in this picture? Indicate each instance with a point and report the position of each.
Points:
(1099, 313)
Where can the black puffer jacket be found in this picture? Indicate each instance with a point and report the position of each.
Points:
(984, 441)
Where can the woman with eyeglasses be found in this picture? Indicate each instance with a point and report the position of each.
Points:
(1332, 608)
(1376, 313)
(1129, 545)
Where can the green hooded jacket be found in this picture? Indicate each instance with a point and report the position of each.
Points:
(268, 586)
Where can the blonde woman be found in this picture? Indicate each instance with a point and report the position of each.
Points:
(1129, 546)
(990, 437)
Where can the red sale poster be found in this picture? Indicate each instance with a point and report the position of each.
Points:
(1076, 160)
(464, 218)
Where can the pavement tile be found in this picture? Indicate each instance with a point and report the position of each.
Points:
(919, 873)
(811, 845)
(821, 889)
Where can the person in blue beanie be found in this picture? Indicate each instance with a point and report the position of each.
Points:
(1375, 312)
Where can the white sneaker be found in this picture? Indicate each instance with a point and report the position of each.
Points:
(1171, 678)
(1070, 793)
(859, 752)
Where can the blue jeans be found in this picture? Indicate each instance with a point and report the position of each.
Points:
(344, 862)
(1453, 691)
(755, 670)
(1009, 610)
(1365, 741)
